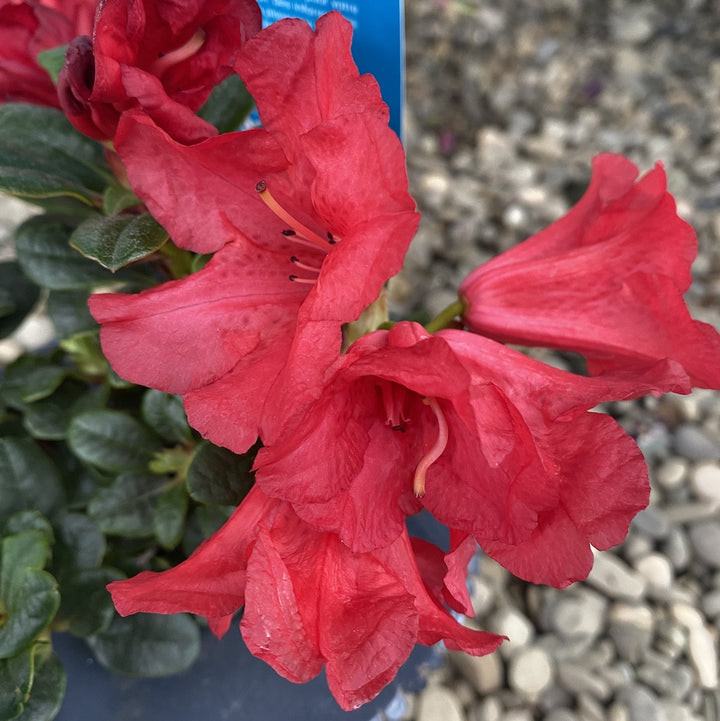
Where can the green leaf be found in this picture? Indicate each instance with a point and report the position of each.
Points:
(111, 440)
(80, 543)
(164, 413)
(30, 378)
(47, 692)
(29, 595)
(53, 60)
(148, 645)
(16, 677)
(169, 517)
(48, 419)
(68, 311)
(228, 105)
(219, 476)
(29, 521)
(28, 479)
(45, 255)
(86, 607)
(202, 523)
(127, 507)
(43, 156)
(117, 240)
(117, 198)
(19, 296)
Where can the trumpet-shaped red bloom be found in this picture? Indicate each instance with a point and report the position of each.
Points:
(163, 57)
(492, 443)
(29, 28)
(606, 281)
(311, 602)
(312, 216)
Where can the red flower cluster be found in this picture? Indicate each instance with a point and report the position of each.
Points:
(307, 218)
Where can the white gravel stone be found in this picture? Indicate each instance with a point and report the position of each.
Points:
(579, 614)
(693, 443)
(705, 481)
(509, 621)
(485, 673)
(656, 569)
(438, 703)
(672, 473)
(531, 671)
(615, 578)
(705, 539)
(631, 628)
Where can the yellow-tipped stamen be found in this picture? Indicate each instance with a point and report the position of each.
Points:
(435, 452)
(302, 230)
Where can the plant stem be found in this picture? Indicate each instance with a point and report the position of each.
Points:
(445, 317)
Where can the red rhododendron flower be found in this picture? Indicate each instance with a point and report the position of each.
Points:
(606, 281)
(310, 601)
(28, 28)
(163, 57)
(332, 225)
(489, 441)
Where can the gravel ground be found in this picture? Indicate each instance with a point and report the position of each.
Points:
(507, 104)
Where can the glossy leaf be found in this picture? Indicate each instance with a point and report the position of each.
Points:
(42, 156)
(117, 240)
(19, 296)
(80, 543)
(169, 518)
(164, 413)
(219, 476)
(47, 692)
(28, 479)
(228, 105)
(69, 312)
(29, 379)
(16, 677)
(111, 440)
(148, 645)
(86, 607)
(53, 60)
(117, 198)
(127, 507)
(45, 255)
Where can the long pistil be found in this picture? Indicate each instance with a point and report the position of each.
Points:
(179, 54)
(435, 452)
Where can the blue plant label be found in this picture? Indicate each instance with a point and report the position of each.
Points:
(378, 40)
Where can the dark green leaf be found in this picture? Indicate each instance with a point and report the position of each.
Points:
(80, 543)
(164, 413)
(111, 440)
(228, 105)
(148, 645)
(19, 297)
(86, 607)
(117, 240)
(117, 198)
(28, 479)
(43, 156)
(68, 311)
(219, 476)
(49, 418)
(169, 518)
(27, 549)
(127, 507)
(29, 521)
(202, 523)
(29, 379)
(48, 690)
(16, 677)
(45, 255)
(53, 60)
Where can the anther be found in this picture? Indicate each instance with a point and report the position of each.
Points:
(302, 230)
(295, 279)
(435, 452)
(288, 232)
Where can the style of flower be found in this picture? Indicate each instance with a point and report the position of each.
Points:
(606, 281)
(311, 216)
(311, 602)
(163, 57)
(492, 443)
(29, 28)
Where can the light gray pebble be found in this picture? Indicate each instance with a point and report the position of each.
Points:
(705, 540)
(485, 673)
(438, 702)
(631, 629)
(578, 614)
(641, 703)
(518, 714)
(589, 708)
(615, 578)
(489, 709)
(577, 679)
(653, 522)
(711, 603)
(691, 442)
(689, 512)
(671, 638)
(560, 714)
(672, 473)
(531, 671)
(677, 548)
(509, 621)
(656, 569)
(705, 481)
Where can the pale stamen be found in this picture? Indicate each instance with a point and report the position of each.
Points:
(305, 266)
(308, 281)
(177, 56)
(302, 230)
(435, 452)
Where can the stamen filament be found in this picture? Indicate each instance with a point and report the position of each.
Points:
(305, 266)
(435, 452)
(295, 224)
(178, 55)
(295, 279)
